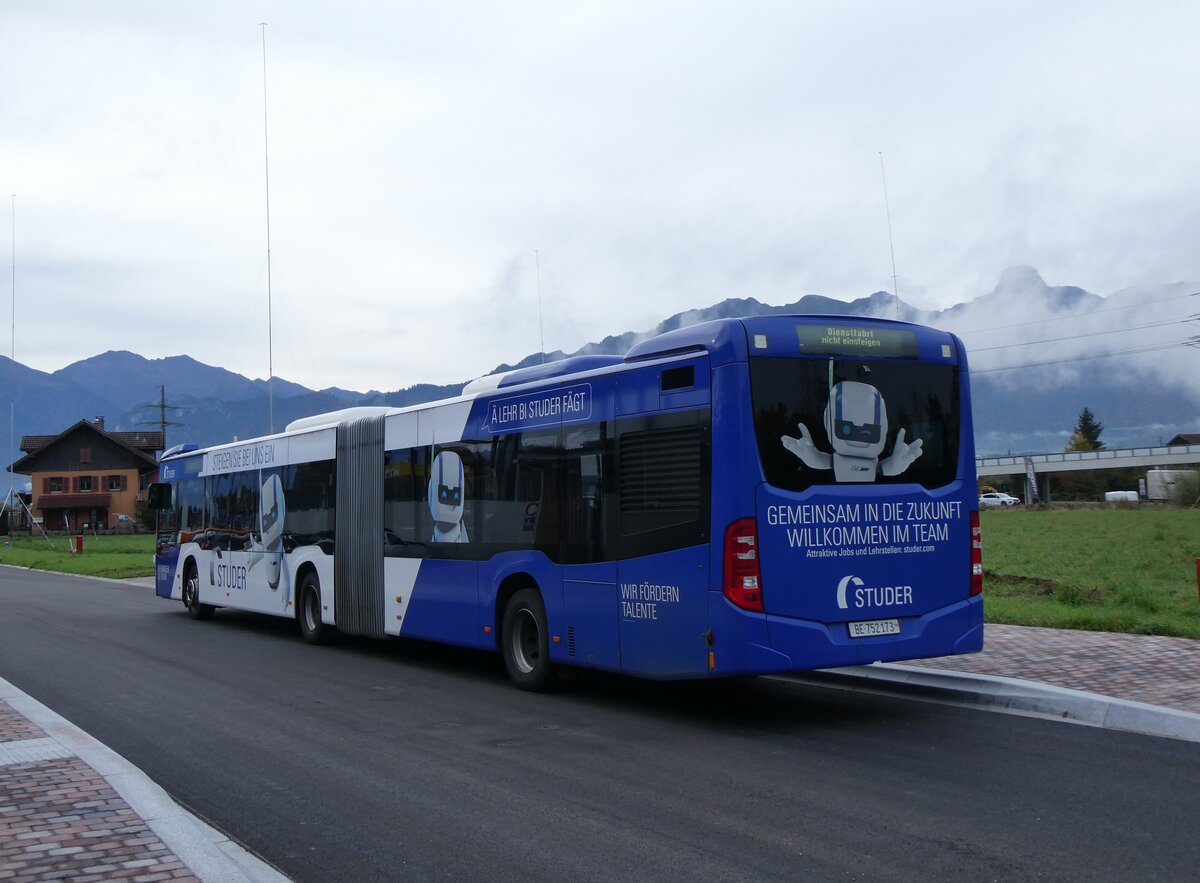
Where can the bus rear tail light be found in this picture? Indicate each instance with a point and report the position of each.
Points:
(976, 556)
(743, 580)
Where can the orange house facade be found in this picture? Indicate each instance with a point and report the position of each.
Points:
(86, 478)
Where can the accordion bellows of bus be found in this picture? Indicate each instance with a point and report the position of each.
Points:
(738, 497)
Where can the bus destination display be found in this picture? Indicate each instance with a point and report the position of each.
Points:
(856, 340)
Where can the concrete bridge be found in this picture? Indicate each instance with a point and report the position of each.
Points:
(1118, 458)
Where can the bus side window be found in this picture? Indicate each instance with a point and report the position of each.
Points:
(663, 482)
(406, 519)
(522, 505)
(309, 494)
(217, 498)
(586, 467)
(246, 502)
(189, 508)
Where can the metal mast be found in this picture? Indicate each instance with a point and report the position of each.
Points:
(267, 170)
(887, 208)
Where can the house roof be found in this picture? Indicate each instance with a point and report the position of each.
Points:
(1186, 438)
(141, 445)
(146, 442)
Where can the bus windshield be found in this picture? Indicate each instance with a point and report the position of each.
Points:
(836, 420)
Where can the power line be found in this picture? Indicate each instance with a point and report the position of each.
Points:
(985, 349)
(1190, 342)
(1077, 315)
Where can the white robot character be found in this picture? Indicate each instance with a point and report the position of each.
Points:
(856, 422)
(266, 550)
(271, 514)
(447, 491)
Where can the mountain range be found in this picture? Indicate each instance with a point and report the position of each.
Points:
(1038, 354)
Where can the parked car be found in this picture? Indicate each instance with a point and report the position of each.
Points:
(997, 499)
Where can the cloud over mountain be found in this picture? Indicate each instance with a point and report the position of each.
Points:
(1038, 355)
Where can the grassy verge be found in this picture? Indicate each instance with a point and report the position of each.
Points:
(1120, 570)
(1117, 570)
(118, 557)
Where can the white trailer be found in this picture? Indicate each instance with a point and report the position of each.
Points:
(1170, 484)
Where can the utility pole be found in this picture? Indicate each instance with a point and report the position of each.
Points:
(162, 422)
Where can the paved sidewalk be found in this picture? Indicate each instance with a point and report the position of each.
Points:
(1139, 668)
(72, 809)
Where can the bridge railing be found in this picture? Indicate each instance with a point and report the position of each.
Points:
(1068, 461)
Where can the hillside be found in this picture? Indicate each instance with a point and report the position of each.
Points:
(1034, 353)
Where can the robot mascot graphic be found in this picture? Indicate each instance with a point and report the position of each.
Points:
(857, 425)
(268, 552)
(264, 548)
(446, 494)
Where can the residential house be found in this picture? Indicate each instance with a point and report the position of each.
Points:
(86, 478)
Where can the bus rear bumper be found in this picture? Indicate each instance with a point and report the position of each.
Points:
(787, 644)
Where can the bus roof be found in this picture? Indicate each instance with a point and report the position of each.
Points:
(724, 339)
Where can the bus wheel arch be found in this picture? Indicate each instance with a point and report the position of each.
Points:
(509, 586)
(191, 592)
(524, 636)
(308, 606)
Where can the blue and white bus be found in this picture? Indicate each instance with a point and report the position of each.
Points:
(734, 498)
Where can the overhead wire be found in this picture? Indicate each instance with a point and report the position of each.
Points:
(1190, 342)
(984, 349)
(1080, 315)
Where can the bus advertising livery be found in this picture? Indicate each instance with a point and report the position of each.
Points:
(739, 497)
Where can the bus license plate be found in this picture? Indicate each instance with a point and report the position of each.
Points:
(874, 627)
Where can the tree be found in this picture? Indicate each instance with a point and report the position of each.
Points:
(1086, 436)
(1090, 484)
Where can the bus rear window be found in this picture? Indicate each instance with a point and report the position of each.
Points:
(842, 420)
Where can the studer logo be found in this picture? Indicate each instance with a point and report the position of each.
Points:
(852, 591)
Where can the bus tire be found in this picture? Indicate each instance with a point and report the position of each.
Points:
(525, 643)
(309, 612)
(191, 594)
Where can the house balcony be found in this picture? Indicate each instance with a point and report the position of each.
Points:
(72, 501)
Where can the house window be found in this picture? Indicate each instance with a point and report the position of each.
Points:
(55, 485)
(85, 455)
(116, 483)
(85, 484)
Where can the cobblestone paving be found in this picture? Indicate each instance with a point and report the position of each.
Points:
(60, 820)
(1156, 670)
(14, 726)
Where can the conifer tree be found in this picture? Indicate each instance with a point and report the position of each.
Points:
(1086, 436)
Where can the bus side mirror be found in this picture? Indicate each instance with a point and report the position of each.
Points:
(160, 496)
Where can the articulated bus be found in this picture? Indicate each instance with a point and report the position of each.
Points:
(739, 497)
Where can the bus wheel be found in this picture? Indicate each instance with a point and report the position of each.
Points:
(524, 643)
(311, 628)
(191, 595)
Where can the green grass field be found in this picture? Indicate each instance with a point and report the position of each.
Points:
(1121, 570)
(1116, 570)
(118, 556)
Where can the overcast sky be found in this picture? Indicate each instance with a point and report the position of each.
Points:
(655, 156)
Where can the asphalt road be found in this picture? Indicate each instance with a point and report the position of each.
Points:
(390, 760)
